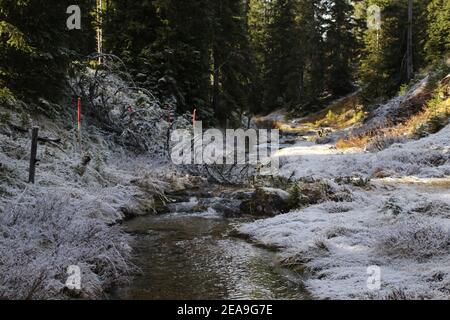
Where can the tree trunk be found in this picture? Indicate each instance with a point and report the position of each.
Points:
(409, 62)
(216, 72)
(99, 29)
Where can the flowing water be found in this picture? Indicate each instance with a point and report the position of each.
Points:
(192, 256)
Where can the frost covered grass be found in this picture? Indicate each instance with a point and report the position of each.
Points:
(334, 243)
(42, 238)
(396, 218)
(69, 217)
(428, 157)
(82, 191)
(416, 239)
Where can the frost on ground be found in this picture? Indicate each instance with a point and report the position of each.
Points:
(42, 238)
(428, 157)
(69, 217)
(395, 218)
(406, 234)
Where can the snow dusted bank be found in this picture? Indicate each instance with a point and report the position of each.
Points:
(67, 224)
(387, 238)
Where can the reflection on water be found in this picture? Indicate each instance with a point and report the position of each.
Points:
(186, 256)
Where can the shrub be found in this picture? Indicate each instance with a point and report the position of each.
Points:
(436, 123)
(352, 142)
(379, 143)
(392, 207)
(5, 117)
(41, 239)
(415, 239)
(315, 192)
(403, 89)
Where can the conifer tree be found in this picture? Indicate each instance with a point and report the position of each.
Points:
(340, 46)
(437, 45)
(284, 61)
(382, 68)
(36, 47)
(232, 68)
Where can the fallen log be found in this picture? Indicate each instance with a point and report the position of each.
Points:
(41, 139)
(51, 140)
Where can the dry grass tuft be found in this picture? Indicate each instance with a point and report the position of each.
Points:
(352, 142)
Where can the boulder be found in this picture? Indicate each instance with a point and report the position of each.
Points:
(266, 202)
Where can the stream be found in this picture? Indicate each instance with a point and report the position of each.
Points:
(189, 255)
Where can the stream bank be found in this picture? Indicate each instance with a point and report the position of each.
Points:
(190, 253)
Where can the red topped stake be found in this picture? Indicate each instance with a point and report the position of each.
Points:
(194, 117)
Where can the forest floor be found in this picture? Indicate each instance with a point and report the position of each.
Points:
(385, 210)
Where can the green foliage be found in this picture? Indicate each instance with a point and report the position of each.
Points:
(403, 89)
(382, 69)
(36, 47)
(436, 114)
(15, 38)
(6, 96)
(5, 117)
(341, 45)
(437, 45)
(436, 123)
(225, 58)
(331, 117)
(294, 197)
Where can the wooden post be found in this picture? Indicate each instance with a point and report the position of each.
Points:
(79, 120)
(34, 143)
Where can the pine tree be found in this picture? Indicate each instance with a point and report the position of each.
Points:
(383, 64)
(341, 46)
(259, 18)
(36, 47)
(130, 27)
(182, 51)
(284, 61)
(233, 65)
(311, 21)
(437, 45)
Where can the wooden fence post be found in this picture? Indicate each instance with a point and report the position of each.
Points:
(79, 121)
(34, 143)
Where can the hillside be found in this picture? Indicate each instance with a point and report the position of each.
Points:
(387, 208)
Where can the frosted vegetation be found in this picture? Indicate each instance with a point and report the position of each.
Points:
(69, 216)
(387, 205)
(357, 209)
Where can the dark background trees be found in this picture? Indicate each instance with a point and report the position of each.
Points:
(36, 47)
(226, 58)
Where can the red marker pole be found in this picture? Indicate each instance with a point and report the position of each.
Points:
(194, 117)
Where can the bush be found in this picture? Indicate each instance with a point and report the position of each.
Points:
(310, 193)
(392, 207)
(436, 123)
(415, 239)
(379, 143)
(40, 240)
(352, 142)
